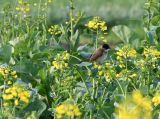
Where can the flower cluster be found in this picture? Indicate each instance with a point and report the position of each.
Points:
(67, 109)
(150, 57)
(135, 108)
(151, 52)
(60, 61)
(55, 30)
(16, 95)
(97, 23)
(23, 6)
(8, 74)
(107, 71)
(138, 99)
(156, 99)
(126, 74)
(31, 115)
(125, 52)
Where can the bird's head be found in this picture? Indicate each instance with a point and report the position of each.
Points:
(106, 47)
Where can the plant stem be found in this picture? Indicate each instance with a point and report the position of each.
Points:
(121, 89)
(84, 83)
(96, 45)
(71, 21)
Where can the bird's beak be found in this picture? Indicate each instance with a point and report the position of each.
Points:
(106, 50)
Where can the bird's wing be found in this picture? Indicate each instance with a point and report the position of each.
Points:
(98, 53)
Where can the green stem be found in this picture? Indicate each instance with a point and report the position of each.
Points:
(96, 45)
(103, 94)
(93, 93)
(76, 57)
(124, 94)
(84, 83)
(71, 21)
(39, 7)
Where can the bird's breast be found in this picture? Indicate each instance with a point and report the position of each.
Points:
(102, 58)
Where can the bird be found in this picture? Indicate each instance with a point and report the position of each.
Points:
(100, 54)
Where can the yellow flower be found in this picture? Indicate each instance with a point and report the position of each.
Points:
(15, 93)
(146, 104)
(108, 65)
(156, 100)
(126, 52)
(97, 23)
(59, 116)
(16, 102)
(135, 107)
(15, 76)
(108, 75)
(13, 73)
(5, 104)
(55, 30)
(20, 2)
(100, 73)
(68, 109)
(23, 7)
(60, 63)
(99, 67)
(24, 99)
(7, 97)
(6, 71)
(131, 53)
(137, 96)
(8, 90)
(121, 65)
(26, 93)
(60, 109)
(9, 82)
(28, 117)
(69, 113)
(49, 1)
(151, 52)
(77, 111)
(123, 113)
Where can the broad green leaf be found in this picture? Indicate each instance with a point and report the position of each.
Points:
(156, 20)
(85, 64)
(6, 53)
(76, 40)
(123, 32)
(38, 106)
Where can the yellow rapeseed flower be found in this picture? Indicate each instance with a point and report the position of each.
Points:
(17, 93)
(68, 110)
(16, 102)
(55, 30)
(126, 52)
(156, 100)
(60, 62)
(23, 7)
(97, 23)
(135, 107)
(137, 97)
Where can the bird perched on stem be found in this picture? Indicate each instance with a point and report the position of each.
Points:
(100, 54)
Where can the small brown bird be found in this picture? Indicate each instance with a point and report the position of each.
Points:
(100, 54)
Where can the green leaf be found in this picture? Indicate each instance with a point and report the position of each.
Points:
(76, 40)
(42, 73)
(158, 32)
(37, 105)
(123, 32)
(84, 64)
(6, 53)
(156, 20)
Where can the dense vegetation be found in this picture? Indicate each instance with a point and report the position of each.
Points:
(45, 72)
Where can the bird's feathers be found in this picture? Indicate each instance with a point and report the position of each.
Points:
(98, 53)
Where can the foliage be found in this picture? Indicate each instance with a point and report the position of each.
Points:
(45, 72)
